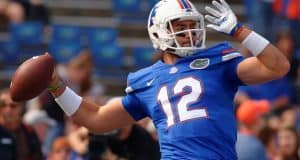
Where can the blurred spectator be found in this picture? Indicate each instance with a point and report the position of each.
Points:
(15, 13)
(286, 44)
(249, 114)
(28, 145)
(135, 143)
(288, 117)
(290, 11)
(288, 144)
(78, 138)
(298, 120)
(60, 149)
(39, 12)
(268, 137)
(3, 17)
(273, 120)
(41, 123)
(279, 97)
(3, 6)
(8, 145)
(79, 77)
(295, 97)
(100, 147)
(55, 113)
(148, 125)
(35, 10)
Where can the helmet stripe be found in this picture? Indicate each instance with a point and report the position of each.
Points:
(152, 15)
(180, 4)
(188, 3)
(185, 4)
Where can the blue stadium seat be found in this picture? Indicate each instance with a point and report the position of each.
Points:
(111, 76)
(126, 5)
(130, 12)
(63, 52)
(109, 62)
(109, 56)
(30, 51)
(142, 56)
(10, 53)
(66, 33)
(101, 36)
(27, 33)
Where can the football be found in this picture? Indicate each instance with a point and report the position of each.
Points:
(32, 77)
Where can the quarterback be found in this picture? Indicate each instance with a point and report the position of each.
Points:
(189, 92)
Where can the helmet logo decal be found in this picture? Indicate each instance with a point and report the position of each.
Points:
(153, 13)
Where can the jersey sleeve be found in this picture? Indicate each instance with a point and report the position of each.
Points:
(232, 71)
(133, 107)
(131, 101)
(231, 57)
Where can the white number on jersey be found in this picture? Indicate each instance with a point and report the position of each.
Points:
(185, 100)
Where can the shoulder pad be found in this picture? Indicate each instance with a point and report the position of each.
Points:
(139, 79)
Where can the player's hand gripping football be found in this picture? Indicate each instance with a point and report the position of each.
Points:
(54, 79)
(56, 85)
(222, 18)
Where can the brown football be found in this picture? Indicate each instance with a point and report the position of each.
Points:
(32, 77)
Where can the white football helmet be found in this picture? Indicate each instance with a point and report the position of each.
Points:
(161, 31)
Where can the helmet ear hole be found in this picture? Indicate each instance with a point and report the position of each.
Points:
(155, 35)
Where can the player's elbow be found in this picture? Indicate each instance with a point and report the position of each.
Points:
(283, 68)
(96, 128)
(95, 131)
(99, 129)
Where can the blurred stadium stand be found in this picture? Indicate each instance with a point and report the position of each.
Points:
(10, 53)
(27, 33)
(65, 33)
(64, 51)
(142, 56)
(100, 35)
(101, 25)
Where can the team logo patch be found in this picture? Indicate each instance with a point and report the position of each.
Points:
(200, 63)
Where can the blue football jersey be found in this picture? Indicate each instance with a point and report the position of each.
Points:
(190, 103)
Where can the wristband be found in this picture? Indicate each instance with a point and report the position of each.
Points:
(69, 101)
(239, 31)
(255, 43)
(55, 87)
(235, 29)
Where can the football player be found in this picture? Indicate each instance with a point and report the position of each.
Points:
(189, 92)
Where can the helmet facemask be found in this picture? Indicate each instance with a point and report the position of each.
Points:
(185, 42)
(167, 37)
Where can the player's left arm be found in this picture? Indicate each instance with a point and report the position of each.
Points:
(267, 63)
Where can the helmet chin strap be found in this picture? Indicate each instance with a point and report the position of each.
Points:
(181, 52)
(171, 48)
(184, 53)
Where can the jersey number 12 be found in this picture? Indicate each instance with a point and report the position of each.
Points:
(182, 107)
